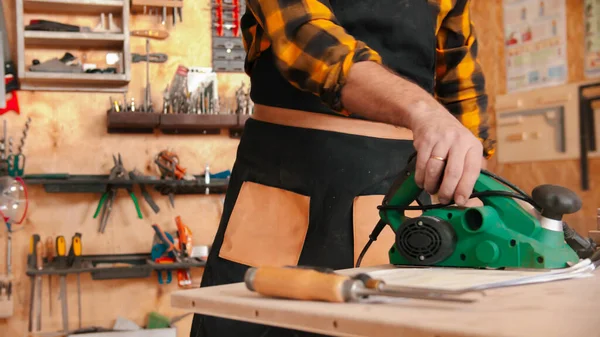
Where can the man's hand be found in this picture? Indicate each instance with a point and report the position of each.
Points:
(448, 154)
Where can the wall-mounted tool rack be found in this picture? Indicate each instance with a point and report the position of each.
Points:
(131, 122)
(126, 266)
(138, 5)
(163, 8)
(60, 42)
(66, 183)
(228, 52)
(140, 122)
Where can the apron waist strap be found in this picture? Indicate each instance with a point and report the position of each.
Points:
(319, 121)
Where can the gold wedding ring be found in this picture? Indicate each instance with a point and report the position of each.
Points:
(438, 158)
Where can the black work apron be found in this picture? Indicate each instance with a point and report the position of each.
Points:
(309, 197)
(299, 197)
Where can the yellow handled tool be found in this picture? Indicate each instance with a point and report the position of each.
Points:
(74, 252)
(61, 246)
(307, 284)
(49, 250)
(61, 253)
(32, 260)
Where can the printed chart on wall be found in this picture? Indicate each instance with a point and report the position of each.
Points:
(592, 37)
(536, 48)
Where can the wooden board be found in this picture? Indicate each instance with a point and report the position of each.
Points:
(68, 134)
(517, 311)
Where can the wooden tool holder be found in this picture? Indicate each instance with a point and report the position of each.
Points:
(59, 42)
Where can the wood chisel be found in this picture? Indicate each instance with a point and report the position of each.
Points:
(74, 254)
(61, 259)
(312, 285)
(149, 33)
(31, 263)
(50, 258)
(38, 283)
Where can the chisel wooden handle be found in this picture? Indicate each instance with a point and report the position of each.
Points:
(152, 34)
(299, 284)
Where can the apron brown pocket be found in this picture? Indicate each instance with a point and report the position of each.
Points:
(365, 217)
(267, 227)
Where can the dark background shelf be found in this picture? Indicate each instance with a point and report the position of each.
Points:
(132, 122)
(196, 124)
(65, 183)
(142, 122)
(136, 266)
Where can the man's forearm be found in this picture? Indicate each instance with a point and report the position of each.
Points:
(374, 92)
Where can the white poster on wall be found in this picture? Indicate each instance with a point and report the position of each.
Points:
(591, 9)
(535, 43)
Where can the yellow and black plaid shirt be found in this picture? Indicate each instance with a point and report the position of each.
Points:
(459, 86)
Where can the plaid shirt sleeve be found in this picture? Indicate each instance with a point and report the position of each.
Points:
(460, 82)
(312, 50)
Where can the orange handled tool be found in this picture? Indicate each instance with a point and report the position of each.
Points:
(301, 283)
(163, 237)
(185, 237)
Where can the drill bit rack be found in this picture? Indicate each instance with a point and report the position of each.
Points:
(132, 122)
(205, 115)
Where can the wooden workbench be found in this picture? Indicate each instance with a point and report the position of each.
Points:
(562, 308)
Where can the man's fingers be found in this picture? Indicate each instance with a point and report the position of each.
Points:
(435, 167)
(452, 174)
(423, 154)
(471, 173)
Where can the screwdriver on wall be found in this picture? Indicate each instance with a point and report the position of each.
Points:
(38, 280)
(74, 253)
(61, 259)
(50, 257)
(31, 261)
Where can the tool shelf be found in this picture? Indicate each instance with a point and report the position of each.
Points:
(53, 40)
(196, 124)
(141, 122)
(73, 82)
(118, 266)
(236, 131)
(132, 122)
(73, 39)
(73, 6)
(66, 183)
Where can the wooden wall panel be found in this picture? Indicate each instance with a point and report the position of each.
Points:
(488, 18)
(68, 135)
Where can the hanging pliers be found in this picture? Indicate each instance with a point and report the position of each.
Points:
(134, 175)
(117, 173)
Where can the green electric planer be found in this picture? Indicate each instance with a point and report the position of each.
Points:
(500, 234)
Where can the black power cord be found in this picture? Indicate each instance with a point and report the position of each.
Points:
(520, 194)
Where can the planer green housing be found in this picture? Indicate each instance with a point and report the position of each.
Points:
(499, 234)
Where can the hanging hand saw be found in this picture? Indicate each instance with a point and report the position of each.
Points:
(11, 80)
